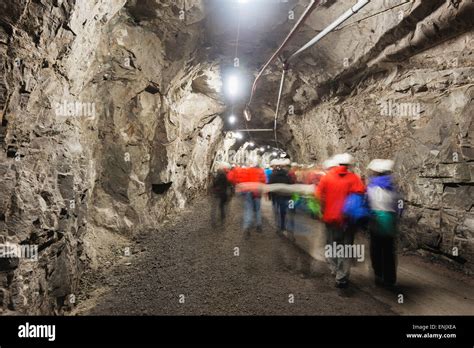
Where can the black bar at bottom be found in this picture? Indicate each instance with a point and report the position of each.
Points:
(259, 330)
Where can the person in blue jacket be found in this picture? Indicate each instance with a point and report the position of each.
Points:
(268, 173)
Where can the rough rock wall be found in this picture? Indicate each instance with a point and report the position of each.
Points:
(90, 139)
(408, 97)
(46, 163)
(160, 125)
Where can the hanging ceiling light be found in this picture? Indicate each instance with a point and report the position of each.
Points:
(233, 85)
(232, 119)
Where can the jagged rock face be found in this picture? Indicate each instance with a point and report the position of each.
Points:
(109, 124)
(427, 132)
(397, 86)
(160, 125)
(47, 159)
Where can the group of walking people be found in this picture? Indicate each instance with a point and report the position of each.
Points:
(346, 204)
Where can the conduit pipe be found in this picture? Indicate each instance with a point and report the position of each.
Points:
(254, 130)
(301, 20)
(345, 16)
(280, 91)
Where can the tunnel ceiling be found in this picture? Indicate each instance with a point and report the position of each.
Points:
(252, 31)
(364, 44)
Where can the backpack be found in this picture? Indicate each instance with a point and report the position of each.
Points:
(356, 208)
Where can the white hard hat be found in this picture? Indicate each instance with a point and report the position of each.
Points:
(294, 164)
(285, 162)
(329, 163)
(343, 159)
(277, 162)
(252, 163)
(381, 165)
(273, 162)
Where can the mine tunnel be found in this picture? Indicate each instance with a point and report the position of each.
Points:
(117, 116)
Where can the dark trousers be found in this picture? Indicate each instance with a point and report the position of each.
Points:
(383, 257)
(282, 208)
(219, 204)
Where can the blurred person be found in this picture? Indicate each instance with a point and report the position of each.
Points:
(297, 200)
(252, 174)
(231, 174)
(312, 177)
(219, 188)
(382, 196)
(292, 169)
(273, 164)
(301, 174)
(280, 175)
(286, 165)
(332, 191)
(268, 173)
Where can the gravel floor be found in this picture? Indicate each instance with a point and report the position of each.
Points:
(192, 261)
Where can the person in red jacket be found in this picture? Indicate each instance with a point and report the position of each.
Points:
(332, 191)
(251, 197)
